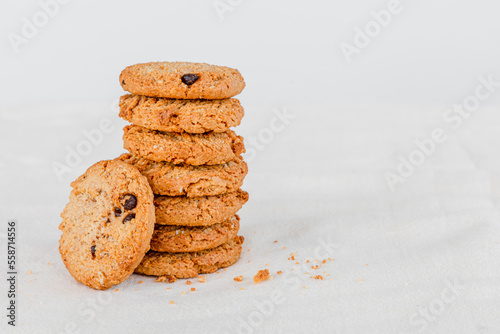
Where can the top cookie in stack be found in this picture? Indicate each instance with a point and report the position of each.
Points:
(180, 139)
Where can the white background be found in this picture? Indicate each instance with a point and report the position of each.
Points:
(319, 180)
(288, 50)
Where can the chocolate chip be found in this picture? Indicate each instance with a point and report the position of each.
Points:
(189, 79)
(130, 216)
(130, 202)
(118, 212)
(92, 250)
(123, 82)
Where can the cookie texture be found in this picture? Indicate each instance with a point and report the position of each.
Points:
(198, 211)
(182, 80)
(107, 224)
(174, 239)
(185, 265)
(210, 148)
(192, 181)
(192, 116)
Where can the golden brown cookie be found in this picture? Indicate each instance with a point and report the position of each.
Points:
(192, 116)
(192, 181)
(198, 211)
(185, 265)
(107, 224)
(175, 239)
(210, 148)
(182, 80)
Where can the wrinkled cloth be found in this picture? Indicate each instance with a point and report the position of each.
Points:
(423, 256)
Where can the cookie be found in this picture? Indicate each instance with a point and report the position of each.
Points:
(185, 265)
(192, 116)
(182, 80)
(192, 181)
(107, 224)
(210, 148)
(175, 239)
(198, 211)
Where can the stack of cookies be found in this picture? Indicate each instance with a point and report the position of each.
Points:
(180, 140)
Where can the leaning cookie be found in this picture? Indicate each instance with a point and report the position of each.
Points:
(175, 239)
(185, 265)
(198, 211)
(182, 80)
(193, 149)
(107, 224)
(192, 181)
(192, 116)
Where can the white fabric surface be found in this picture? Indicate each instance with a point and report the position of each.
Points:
(320, 181)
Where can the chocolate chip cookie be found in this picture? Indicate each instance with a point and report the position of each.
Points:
(192, 181)
(192, 116)
(210, 148)
(175, 239)
(185, 265)
(182, 80)
(198, 211)
(107, 224)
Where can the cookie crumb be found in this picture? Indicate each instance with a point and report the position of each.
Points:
(360, 280)
(135, 289)
(29, 272)
(275, 241)
(201, 279)
(284, 247)
(261, 276)
(193, 289)
(48, 263)
(183, 293)
(171, 279)
(324, 261)
(242, 288)
(318, 277)
(292, 256)
(315, 267)
(172, 302)
(116, 290)
(188, 282)
(279, 272)
(161, 279)
(238, 278)
(304, 287)
(140, 282)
